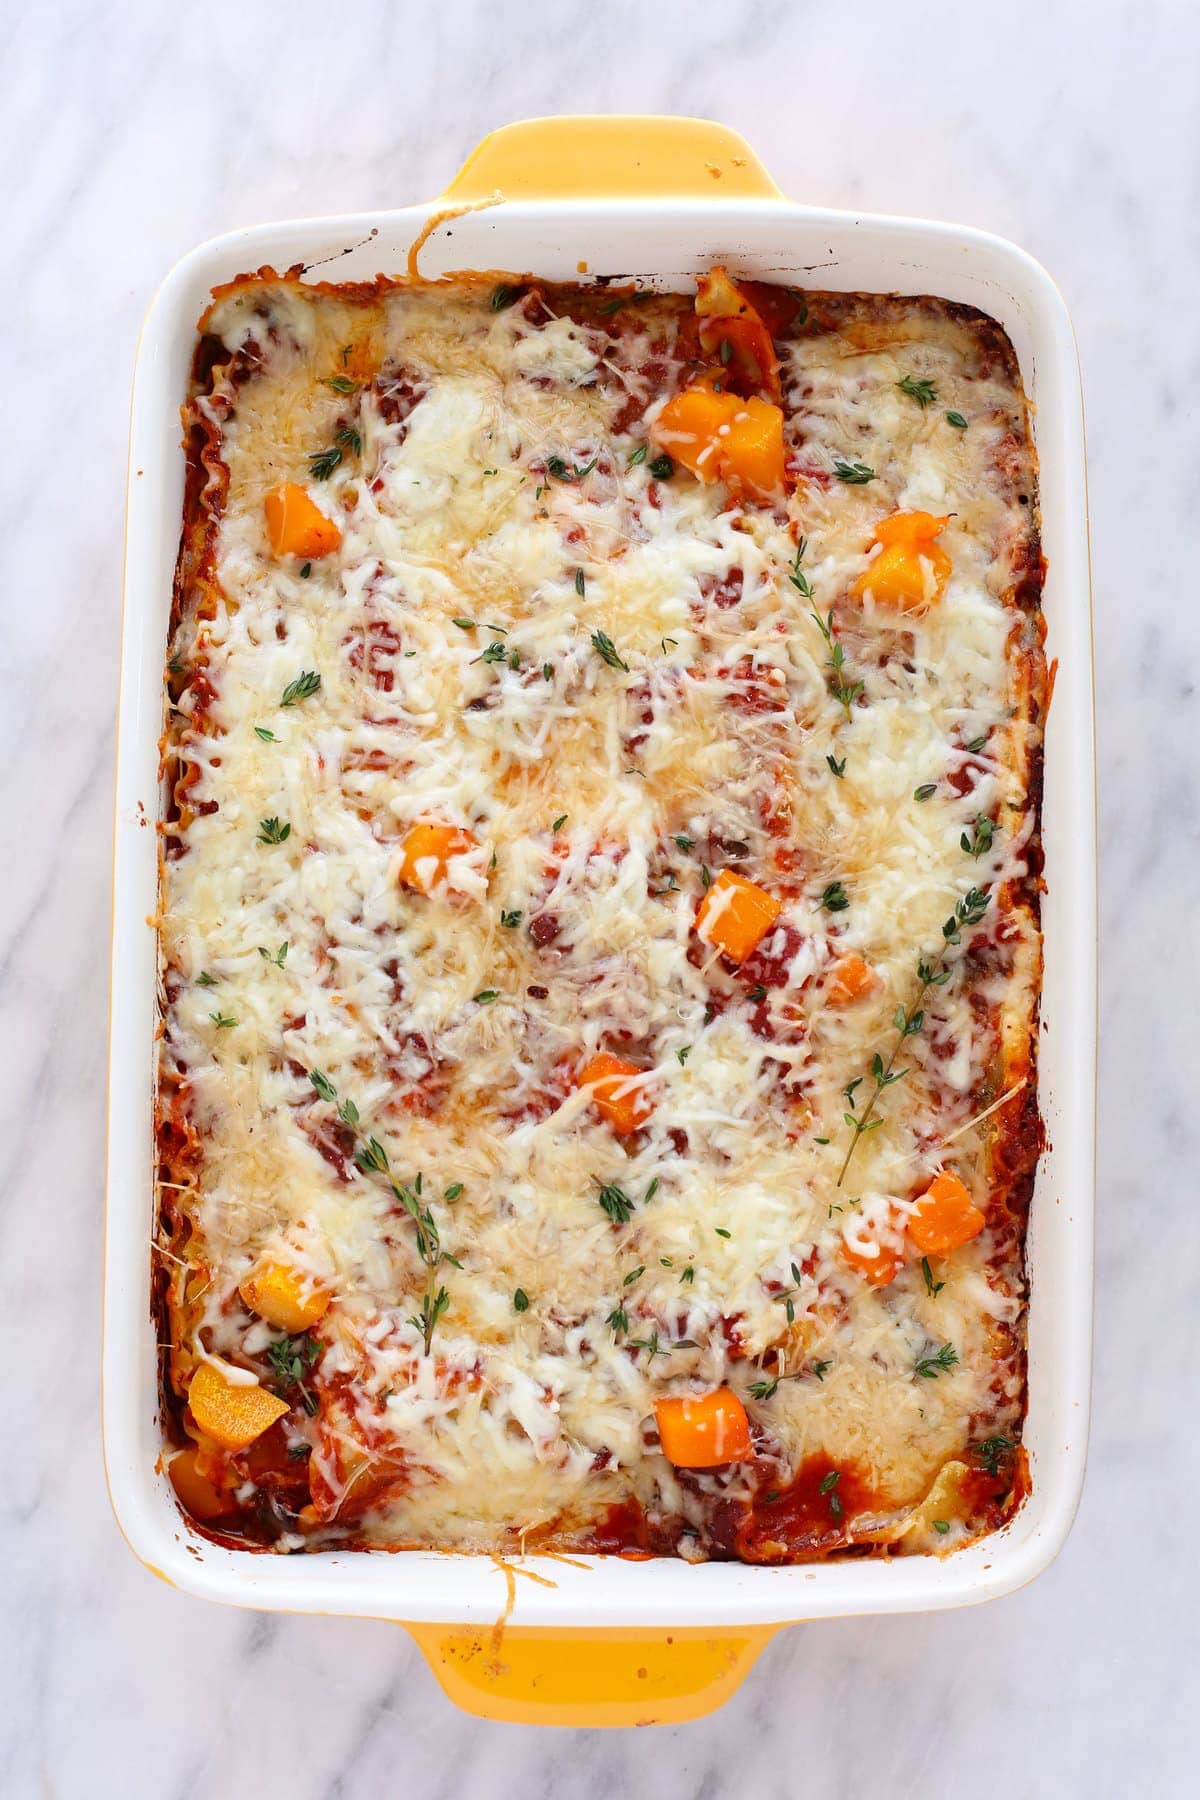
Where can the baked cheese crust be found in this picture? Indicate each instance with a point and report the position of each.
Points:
(485, 792)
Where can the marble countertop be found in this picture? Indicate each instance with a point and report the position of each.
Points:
(129, 133)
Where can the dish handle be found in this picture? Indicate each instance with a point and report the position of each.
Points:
(541, 1676)
(613, 156)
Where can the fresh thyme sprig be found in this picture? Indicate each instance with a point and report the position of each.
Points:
(305, 685)
(796, 575)
(908, 1021)
(614, 1201)
(978, 841)
(787, 1296)
(562, 470)
(763, 1390)
(607, 651)
(922, 391)
(844, 692)
(370, 1158)
(829, 1487)
(990, 1452)
(291, 1358)
(939, 1362)
(324, 462)
(653, 1347)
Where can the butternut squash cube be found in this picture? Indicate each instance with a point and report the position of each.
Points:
(849, 980)
(752, 449)
(689, 427)
(281, 1295)
(231, 1413)
(197, 1494)
(427, 849)
(912, 569)
(735, 915)
(946, 1216)
(626, 1109)
(702, 1431)
(296, 525)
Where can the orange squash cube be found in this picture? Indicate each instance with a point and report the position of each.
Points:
(910, 530)
(909, 558)
(296, 525)
(280, 1295)
(849, 980)
(702, 1431)
(720, 437)
(623, 1107)
(752, 449)
(426, 852)
(689, 427)
(735, 915)
(231, 1413)
(878, 1270)
(197, 1494)
(946, 1217)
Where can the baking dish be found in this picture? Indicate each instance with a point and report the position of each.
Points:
(594, 1640)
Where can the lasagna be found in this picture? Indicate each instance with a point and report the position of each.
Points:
(599, 921)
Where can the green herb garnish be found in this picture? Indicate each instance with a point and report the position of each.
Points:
(322, 463)
(614, 1202)
(796, 575)
(923, 392)
(291, 1358)
(844, 692)
(909, 1020)
(604, 647)
(943, 1359)
(302, 688)
(978, 841)
(932, 1287)
(991, 1452)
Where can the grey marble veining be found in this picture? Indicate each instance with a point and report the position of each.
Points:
(129, 133)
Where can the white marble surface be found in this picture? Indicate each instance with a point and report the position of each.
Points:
(130, 132)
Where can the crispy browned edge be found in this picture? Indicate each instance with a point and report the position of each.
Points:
(1017, 1133)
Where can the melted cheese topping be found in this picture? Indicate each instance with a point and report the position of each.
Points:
(494, 522)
